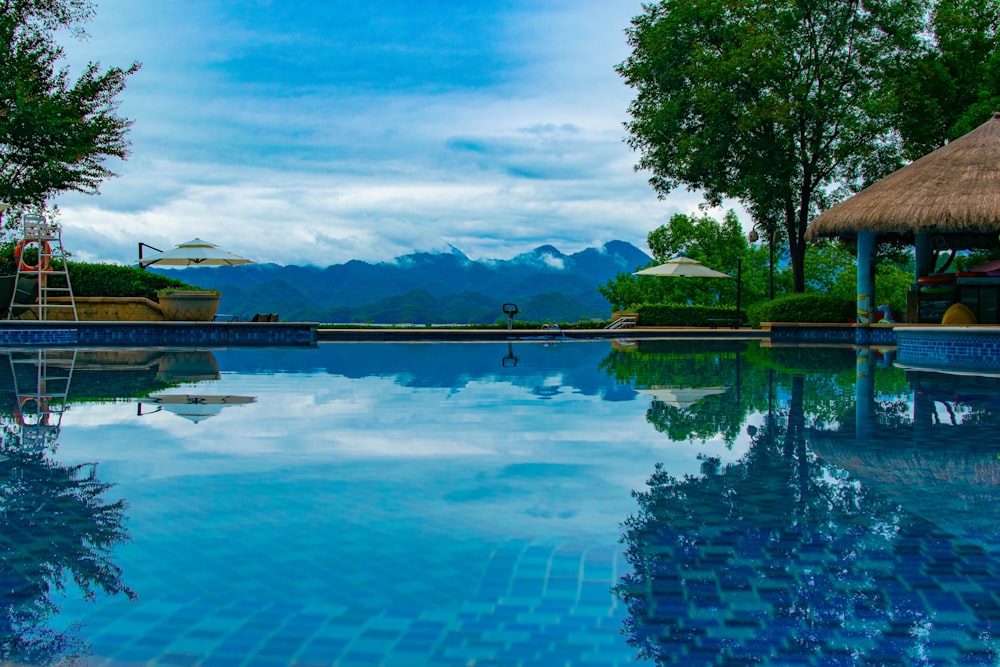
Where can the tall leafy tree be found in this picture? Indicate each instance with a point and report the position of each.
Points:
(777, 103)
(56, 134)
(954, 86)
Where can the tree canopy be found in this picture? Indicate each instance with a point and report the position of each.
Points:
(776, 103)
(716, 244)
(954, 84)
(56, 134)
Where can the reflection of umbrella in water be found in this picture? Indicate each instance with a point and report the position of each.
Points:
(195, 407)
(682, 398)
(195, 252)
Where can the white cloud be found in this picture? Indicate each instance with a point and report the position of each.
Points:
(313, 172)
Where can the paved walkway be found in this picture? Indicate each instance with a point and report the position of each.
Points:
(473, 334)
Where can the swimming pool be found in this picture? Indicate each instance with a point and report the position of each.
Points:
(457, 504)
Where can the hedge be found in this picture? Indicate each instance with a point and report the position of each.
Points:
(97, 279)
(116, 280)
(679, 315)
(821, 308)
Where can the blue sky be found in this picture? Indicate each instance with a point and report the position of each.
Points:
(312, 132)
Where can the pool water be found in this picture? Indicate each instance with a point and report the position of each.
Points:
(525, 503)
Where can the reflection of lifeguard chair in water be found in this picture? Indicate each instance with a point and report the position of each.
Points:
(41, 384)
(35, 281)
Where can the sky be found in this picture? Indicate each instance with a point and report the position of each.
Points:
(316, 132)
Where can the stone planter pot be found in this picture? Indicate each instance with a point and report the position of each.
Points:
(189, 306)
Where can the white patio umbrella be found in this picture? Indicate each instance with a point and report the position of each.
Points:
(682, 267)
(193, 407)
(195, 252)
(685, 267)
(681, 397)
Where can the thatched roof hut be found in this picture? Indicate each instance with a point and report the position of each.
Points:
(953, 192)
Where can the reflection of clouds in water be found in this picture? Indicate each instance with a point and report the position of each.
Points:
(323, 416)
(381, 419)
(490, 450)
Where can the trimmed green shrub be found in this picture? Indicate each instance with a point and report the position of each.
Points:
(96, 279)
(824, 308)
(116, 280)
(678, 315)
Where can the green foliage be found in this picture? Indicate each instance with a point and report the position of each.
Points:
(954, 86)
(717, 245)
(679, 315)
(776, 103)
(115, 280)
(716, 365)
(970, 260)
(824, 308)
(97, 279)
(8, 266)
(57, 134)
(891, 285)
(703, 239)
(831, 268)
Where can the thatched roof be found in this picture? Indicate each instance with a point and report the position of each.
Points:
(954, 190)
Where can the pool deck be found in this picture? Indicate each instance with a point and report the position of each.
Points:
(471, 334)
(974, 347)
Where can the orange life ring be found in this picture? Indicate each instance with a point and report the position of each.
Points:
(44, 251)
(41, 408)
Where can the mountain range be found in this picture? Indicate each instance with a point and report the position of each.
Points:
(425, 288)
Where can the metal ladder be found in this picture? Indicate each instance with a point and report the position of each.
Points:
(47, 237)
(41, 384)
(626, 322)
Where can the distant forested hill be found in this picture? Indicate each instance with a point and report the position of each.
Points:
(425, 288)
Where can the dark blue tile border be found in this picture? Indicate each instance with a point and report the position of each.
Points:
(144, 334)
(822, 334)
(968, 348)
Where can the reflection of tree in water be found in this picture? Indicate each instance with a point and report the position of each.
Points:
(779, 558)
(752, 374)
(54, 525)
(687, 364)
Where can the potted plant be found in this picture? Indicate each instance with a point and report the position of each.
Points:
(188, 305)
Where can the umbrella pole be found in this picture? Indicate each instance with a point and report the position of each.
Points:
(739, 287)
(141, 244)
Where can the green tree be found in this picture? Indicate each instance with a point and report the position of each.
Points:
(954, 86)
(56, 134)
(831, 268)
(777, 103)
(718, 245)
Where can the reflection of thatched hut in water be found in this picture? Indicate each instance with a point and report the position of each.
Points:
(944, 466)
(954, 485)
(946, 200)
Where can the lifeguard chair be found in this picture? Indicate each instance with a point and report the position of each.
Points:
(37, 277)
